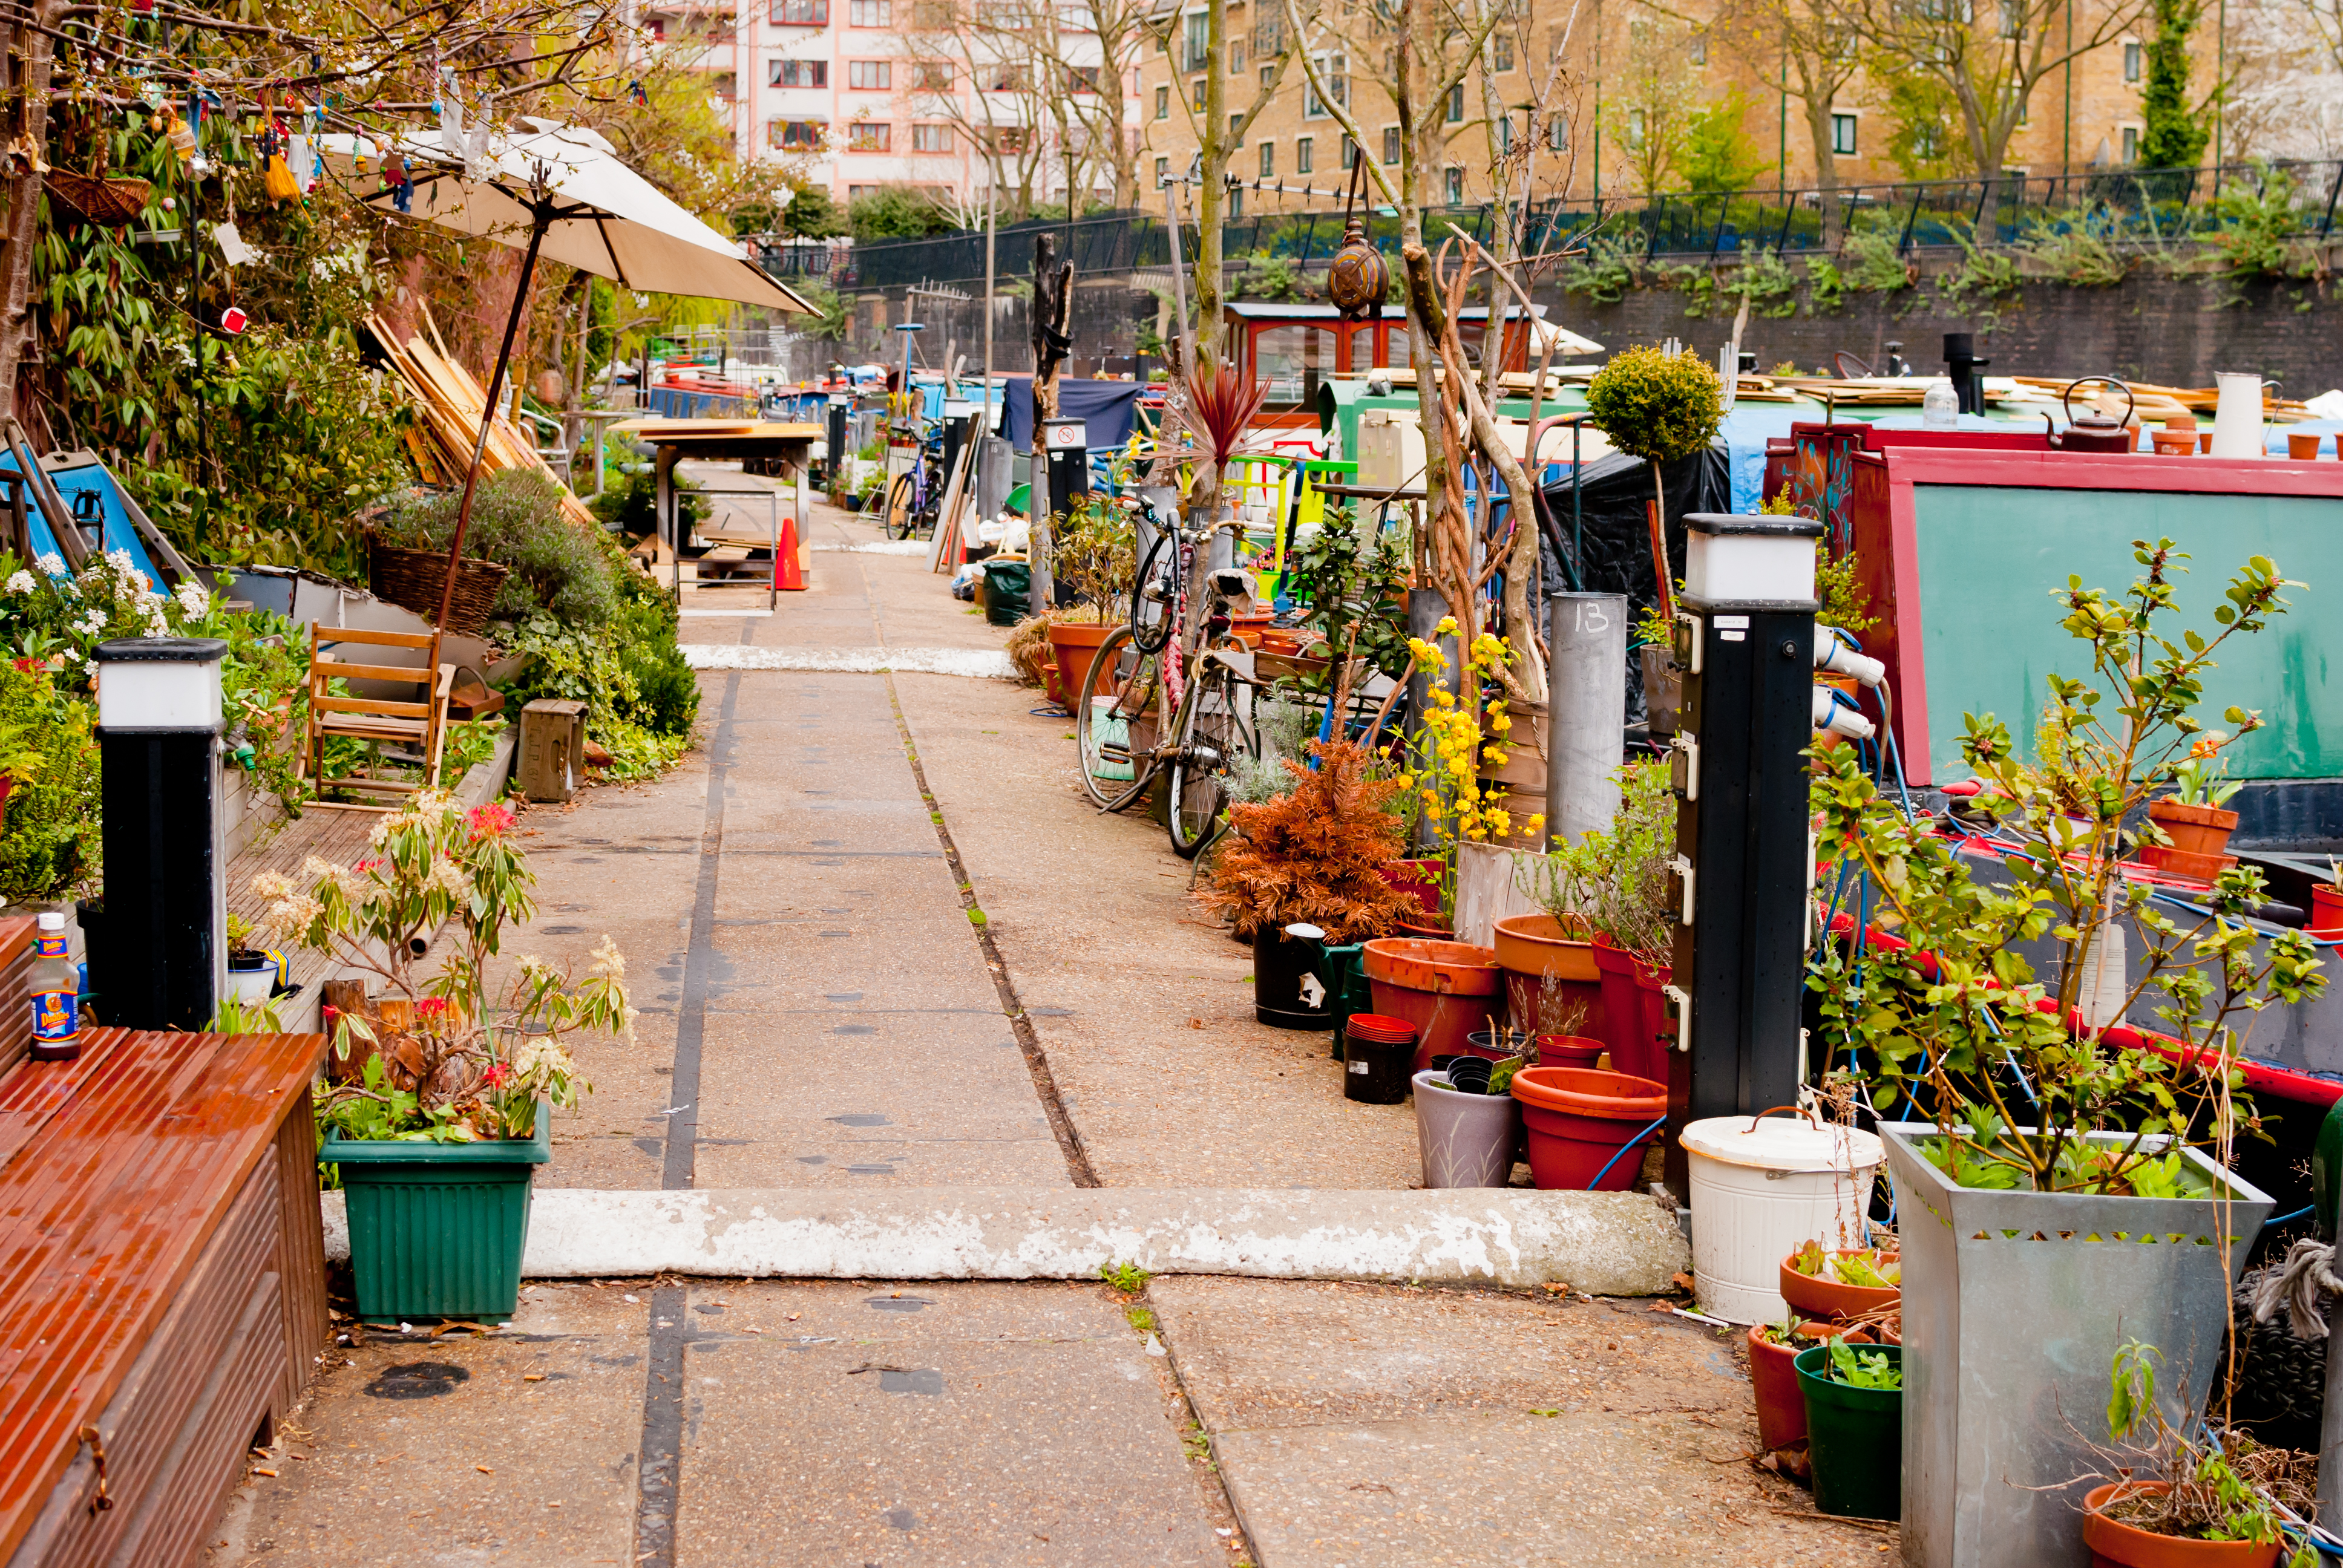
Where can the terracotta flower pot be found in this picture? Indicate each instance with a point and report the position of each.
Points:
(1549, 963)
(1073, 646)
(2326, 911)
(2193, 830)
(2180, 863)
(1813, 1297)
(1585, 1127)
(1569, 1050)
(1781, 1404)
(1447, 990)
(2115, 1544)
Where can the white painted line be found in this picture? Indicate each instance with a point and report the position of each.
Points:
(1609, 1243)
(976, 663)
(883, 547)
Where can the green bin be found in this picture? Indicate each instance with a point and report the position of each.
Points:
(437, 1229)
(1854, 1437)
(1008, 586)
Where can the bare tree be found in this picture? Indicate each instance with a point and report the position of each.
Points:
(1218, 134)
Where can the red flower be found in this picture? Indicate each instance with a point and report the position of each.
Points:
(331, 1013)
(431, 1006)
(498, 1075)
(489, 821)
(370, 863)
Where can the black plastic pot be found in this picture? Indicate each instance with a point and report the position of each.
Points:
(1284, 978)
(1377, 1072)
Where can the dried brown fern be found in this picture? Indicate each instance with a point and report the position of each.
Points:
(1316, 853)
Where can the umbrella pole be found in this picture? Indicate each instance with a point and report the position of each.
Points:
(538, 222)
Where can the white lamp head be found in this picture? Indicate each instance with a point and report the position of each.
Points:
(159, 683)
(1750, 560)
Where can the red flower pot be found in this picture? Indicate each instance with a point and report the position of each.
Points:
(1419, 880)
(1446, 990)
(1569, 1050)
(1634, 1011)
(1781, 1404)
(1585, 1127)
(2115, 1544)
(2193, 830)
(1544, 961)
(2326, 911)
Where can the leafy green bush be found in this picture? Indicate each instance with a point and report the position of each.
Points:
(896, 212)
(1611, 265)
(517, 522)
(666, 691)
(1656, 404)
(631, 505)
(49, 832)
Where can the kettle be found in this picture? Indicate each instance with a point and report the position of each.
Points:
(2096, 432)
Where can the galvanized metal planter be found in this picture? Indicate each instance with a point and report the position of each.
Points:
(2014, 1304)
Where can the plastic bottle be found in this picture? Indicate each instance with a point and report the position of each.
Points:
(1940, 407)
(57, 994)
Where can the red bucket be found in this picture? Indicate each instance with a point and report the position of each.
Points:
(1585, 1126)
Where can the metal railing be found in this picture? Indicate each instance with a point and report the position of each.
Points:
(2297, 199)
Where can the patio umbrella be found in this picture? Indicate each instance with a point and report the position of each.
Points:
(558, 191)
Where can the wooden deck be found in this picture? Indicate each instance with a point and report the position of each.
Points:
(162, 1283)
(339, 836)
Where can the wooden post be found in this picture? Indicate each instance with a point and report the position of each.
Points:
(1053, 303)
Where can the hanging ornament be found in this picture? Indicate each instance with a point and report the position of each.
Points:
(636, 96)
(1359, 277)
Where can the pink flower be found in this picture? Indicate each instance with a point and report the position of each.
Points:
(371, 863)
(489, 821)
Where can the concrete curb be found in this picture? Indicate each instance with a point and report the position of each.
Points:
(977, 663)
(1610, 1243)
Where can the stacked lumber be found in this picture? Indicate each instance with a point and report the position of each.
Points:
(451, 402)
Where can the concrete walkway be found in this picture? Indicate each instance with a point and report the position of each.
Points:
(883, 946)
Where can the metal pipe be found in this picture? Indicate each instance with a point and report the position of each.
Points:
(1586, 711)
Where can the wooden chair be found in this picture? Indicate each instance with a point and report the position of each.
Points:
(420, 721)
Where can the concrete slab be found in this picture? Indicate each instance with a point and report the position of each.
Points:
(964, 1425)
(1367, 1426)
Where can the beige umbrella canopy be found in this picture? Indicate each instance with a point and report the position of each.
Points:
(559, 192)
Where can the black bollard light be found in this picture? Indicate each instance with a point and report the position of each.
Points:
(158, 730)
(1745, 638)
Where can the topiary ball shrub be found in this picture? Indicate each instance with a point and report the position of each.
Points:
(1656, 405)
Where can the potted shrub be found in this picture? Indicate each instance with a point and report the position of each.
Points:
(2044, 1128)
(2326, 903)
(2192, 820)
(1462, 737)
(1836, 1286)
(437, 1138)
(1855, 1427)
(252, 974)
(1092, 559)
(1661, 407)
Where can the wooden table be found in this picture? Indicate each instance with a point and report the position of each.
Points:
(162, 1283)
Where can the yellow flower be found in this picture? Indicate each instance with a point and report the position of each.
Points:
(1498, 722)
(1447, 627)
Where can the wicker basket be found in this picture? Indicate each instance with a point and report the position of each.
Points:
(414, 580)
(108, 203)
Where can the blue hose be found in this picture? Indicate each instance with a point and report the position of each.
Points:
(1623, 1149)
(2283, 1219)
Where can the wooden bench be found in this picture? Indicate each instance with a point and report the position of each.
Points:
(162, 1279)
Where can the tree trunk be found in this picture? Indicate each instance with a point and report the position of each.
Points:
(1817, 104)
(26, 72)
(1212, 191)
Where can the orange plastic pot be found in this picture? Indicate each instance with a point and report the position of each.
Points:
(2115, 1544)
(1447, 990)
(1812, 1297)
(2193, 830)
(1583, 1126)
(2326, 911)
(1074, 647)
(2181, 863)
(1550, 963)
(1569, 1050)
(1781, 1404)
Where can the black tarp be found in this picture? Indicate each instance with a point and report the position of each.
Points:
(1615, 538)
(1110, 410)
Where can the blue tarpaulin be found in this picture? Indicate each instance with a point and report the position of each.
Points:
(89, 479)
(1109, 408)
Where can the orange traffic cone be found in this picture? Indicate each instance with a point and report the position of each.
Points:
(788, 573)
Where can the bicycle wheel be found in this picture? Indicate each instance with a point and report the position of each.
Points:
(896, 514)
(1215, 729)
(1151, 618)
(1110, 717)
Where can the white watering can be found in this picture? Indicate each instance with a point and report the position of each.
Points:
(2237, 416)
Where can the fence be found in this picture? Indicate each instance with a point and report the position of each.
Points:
(2129, 206)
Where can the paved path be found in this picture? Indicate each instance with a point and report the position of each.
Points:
(822, 1009)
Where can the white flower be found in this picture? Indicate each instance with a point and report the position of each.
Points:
(271, 885)
(608, 961)
(52, 564)
(194, 600)
(121, 562)
(20, 582)
(448, 878)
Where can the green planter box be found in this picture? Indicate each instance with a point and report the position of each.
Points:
(437, 1229)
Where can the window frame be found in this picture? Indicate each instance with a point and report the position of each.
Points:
(1845, 133)
(883, 69)
(861, 134)
(820, 68)
(1269, 160)
(1163, 102)
(1306, 154)
(818, 13)
(1391, 146)
(856, 10)
(940, 131)
(777, 136)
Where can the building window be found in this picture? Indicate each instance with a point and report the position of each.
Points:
(795, 136)
(797, 74)
(1162, 103)
(1334, 69)
(870, 12)
(1196, 94)
(1236, 58)
(931, 76)
(931, 138)
(1842, 134)
(1349, 155)
(934, 15)
(1699, 48)
(866, 137)
(1268, 79)
(1500, 52)
(2131, 62)
(1455, 104)
(1010, 139)
(869, 75)
(1236, 126)
(1268, 159)
(1302, 160)
(856, 193)
(801, 13)
(1083, 78)
(1196, 53)
(1162, 172)
(1007, 78)
(1390, 143)
(1236, 202)
(1455, 187)
(2131, 144)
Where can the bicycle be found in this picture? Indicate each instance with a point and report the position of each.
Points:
(1143, 668)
